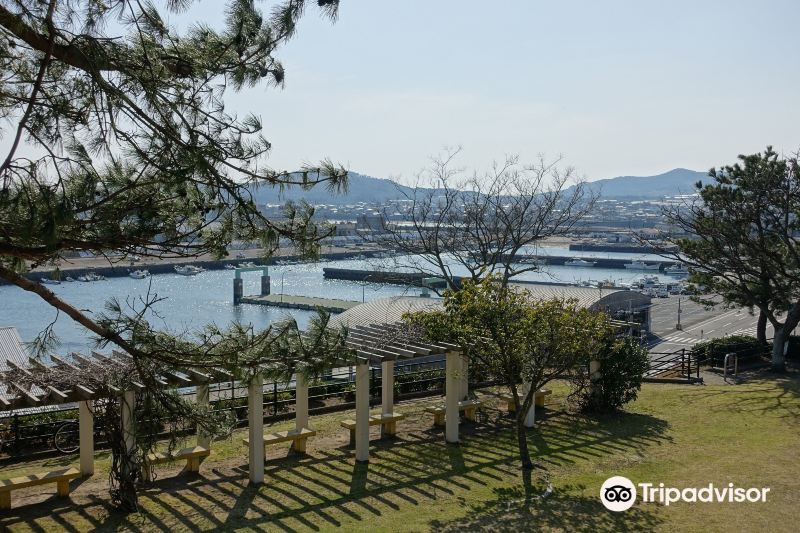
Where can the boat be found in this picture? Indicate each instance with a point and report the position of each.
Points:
(90, 276)
(677, 270)
(139, 274)
(641, 265)
(577, 262)
(538, 261)
(188, 270)
(247, 264)
(70, 279)
(50, 281)
(230, 267)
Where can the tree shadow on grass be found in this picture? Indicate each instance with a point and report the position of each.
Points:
(776, 394)
(327, 488)
(525, 509)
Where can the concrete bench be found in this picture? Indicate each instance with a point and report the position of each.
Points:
(298, 438)
(387, 422)
(60, 477)
(468, 407)
(191, 455)
(538, 399)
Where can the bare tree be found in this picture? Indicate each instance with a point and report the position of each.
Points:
(482, 224)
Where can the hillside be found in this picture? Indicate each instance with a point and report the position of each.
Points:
(675, 182)
(377, 191)
(361, 189)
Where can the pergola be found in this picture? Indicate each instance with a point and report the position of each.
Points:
(386, 343)
(37, 384)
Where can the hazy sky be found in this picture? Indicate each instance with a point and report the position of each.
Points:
(619, 87)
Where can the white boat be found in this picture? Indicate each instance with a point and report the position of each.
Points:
(91, 276)
(70, 279)
(139, 274)
(187, 270)
(230, 267)
(677, 270)
(247, 264)
(641, 265)
(576, 262)
(49, 281)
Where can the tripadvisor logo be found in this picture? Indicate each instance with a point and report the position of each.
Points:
(618, 493)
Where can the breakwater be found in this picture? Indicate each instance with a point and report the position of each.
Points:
(620, 248)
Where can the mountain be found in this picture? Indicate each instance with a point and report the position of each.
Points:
(676, 181)
(378, 191)
(361, 188)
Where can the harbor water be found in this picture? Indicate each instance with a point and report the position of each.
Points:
(187, 303)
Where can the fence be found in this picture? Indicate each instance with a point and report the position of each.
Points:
(678, 365)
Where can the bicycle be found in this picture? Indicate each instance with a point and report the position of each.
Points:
(66, 439)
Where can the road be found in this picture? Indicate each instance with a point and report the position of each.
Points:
(697, 323)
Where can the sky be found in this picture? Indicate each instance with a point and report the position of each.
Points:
(617, 87)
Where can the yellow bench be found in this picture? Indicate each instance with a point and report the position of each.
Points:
(388, 424)
(538, 399)
(60, 477)
(469, 407)
(191, 455)
(298, 438)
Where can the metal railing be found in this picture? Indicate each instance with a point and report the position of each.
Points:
(680, 364)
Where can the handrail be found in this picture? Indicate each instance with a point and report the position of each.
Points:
(735, 365)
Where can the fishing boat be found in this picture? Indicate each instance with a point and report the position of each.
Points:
(577, 262)
(230, 267)
(677, 270)
(188, 270)
(91, 276)
(50, 281)
(641, 265)
(247, 264)
(139, 274)
(70, 279)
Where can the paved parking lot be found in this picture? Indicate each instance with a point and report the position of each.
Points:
(698, 323)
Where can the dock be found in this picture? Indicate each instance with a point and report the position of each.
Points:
(288, 301)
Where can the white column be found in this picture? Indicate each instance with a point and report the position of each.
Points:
(530, 416)
(362, 412)
(301, 402)
(464, 378)
(201, 397)
(452, 391)
(387, 387)
(127, 420)
(255, 424)
(86, 437)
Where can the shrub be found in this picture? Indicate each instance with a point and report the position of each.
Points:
(712, 352)
(623, 363)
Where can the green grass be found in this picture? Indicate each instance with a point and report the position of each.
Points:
(680, 435)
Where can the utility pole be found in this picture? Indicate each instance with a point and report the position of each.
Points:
(678, 325)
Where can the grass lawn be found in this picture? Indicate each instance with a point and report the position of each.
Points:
(683, 436)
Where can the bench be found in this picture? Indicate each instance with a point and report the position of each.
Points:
(469, 407)
(538, 399)
(191, 455)
(388, 423)
(60, 477)
(298, 438)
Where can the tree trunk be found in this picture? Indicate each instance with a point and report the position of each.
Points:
(778, 360)
(761, 328)
(522, 440)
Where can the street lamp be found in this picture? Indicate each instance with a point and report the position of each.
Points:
(282, 274)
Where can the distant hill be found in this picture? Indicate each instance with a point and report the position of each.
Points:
(674, 182)
(361, 188)
(377, 190)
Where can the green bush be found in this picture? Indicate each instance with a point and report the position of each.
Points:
(623, 364)
(712, 352)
